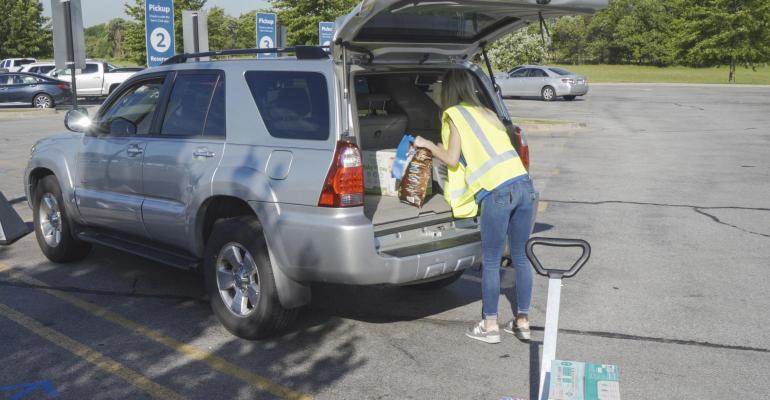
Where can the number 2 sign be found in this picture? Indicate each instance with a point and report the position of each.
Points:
(159, 26)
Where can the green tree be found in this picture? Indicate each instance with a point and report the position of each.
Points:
(719, 32)
(246, 31)
(223, 29)
(135, 45)
(570, 40)
(106, 40)
(632, 31)
(24, 32)
(301, 17)
(520, 47)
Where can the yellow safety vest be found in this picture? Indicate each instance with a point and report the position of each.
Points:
(490, 159)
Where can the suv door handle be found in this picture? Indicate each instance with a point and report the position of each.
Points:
(134, 151)
(203, 152)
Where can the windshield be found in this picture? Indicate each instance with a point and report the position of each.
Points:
(560, 71)
(431, 23)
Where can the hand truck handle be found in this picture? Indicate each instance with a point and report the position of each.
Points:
(557, 242)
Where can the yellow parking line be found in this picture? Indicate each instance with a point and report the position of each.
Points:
(192, 352)
(92, 356)
(542, 206)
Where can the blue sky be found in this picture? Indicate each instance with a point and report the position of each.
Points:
(98, 11)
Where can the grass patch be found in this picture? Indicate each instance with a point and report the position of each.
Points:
(646, 74)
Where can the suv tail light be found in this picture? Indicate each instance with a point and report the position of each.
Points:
(344, 186)
(521, 146)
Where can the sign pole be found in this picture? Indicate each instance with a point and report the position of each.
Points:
(70, 50)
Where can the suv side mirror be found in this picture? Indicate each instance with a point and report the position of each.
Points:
(77, 120)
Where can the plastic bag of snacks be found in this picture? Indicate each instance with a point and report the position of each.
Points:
(404, 154)
(417, 177)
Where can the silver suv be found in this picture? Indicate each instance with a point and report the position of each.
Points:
(251, 169)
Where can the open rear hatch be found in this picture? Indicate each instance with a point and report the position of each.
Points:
(407, 32)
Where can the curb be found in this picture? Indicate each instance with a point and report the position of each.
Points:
(556, 126)
(674, 84)
(17, 113)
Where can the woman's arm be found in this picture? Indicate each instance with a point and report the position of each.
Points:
(450, 156)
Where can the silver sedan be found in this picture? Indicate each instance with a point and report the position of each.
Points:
(546, 82)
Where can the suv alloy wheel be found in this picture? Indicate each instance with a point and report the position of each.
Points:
(52, 226)
(239, 280)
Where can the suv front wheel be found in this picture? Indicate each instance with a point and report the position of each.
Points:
(52, 227)
(239, 280)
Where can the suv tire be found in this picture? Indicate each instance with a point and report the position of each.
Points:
(52, 225)
(238, 274)
(440, 283)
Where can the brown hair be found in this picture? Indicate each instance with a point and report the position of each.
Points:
(457, 86)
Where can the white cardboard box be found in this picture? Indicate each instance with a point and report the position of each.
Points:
(377, 178)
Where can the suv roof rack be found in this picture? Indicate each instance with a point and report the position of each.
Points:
(302, 53)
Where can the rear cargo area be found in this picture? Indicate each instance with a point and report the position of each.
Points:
(389, 106)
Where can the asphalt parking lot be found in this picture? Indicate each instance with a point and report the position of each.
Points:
(670, 184)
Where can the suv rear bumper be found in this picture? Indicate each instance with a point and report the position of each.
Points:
(338, 246)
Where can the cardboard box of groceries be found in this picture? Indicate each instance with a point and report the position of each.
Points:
(377, 173)
(377, 178)
(571, 380)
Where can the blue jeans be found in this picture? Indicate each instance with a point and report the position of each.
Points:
(506, 213)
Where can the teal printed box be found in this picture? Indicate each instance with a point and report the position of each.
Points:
(571, 380)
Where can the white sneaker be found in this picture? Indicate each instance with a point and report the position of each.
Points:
(520, 331)
(477, 332)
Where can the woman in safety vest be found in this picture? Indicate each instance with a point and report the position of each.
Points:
(485, 171)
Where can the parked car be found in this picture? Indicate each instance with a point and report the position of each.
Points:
(38, 68)
(15, 64)
(97, 79)
(251, 171)
(546, 82)
(31, 89)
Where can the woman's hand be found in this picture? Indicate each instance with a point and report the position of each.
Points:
(450, 156)
(419, 141)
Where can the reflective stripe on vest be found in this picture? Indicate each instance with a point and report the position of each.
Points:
(489, 155)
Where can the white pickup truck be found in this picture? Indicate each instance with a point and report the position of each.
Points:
(96, 80)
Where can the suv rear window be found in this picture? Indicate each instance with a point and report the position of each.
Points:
(293, 105)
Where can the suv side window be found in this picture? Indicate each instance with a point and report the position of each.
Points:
(132, 113)
(189, 103)
(293, 104)
(215, 120)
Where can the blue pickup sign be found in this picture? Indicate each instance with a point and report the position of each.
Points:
(266, 33)
(159, 28)
(325, 33)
